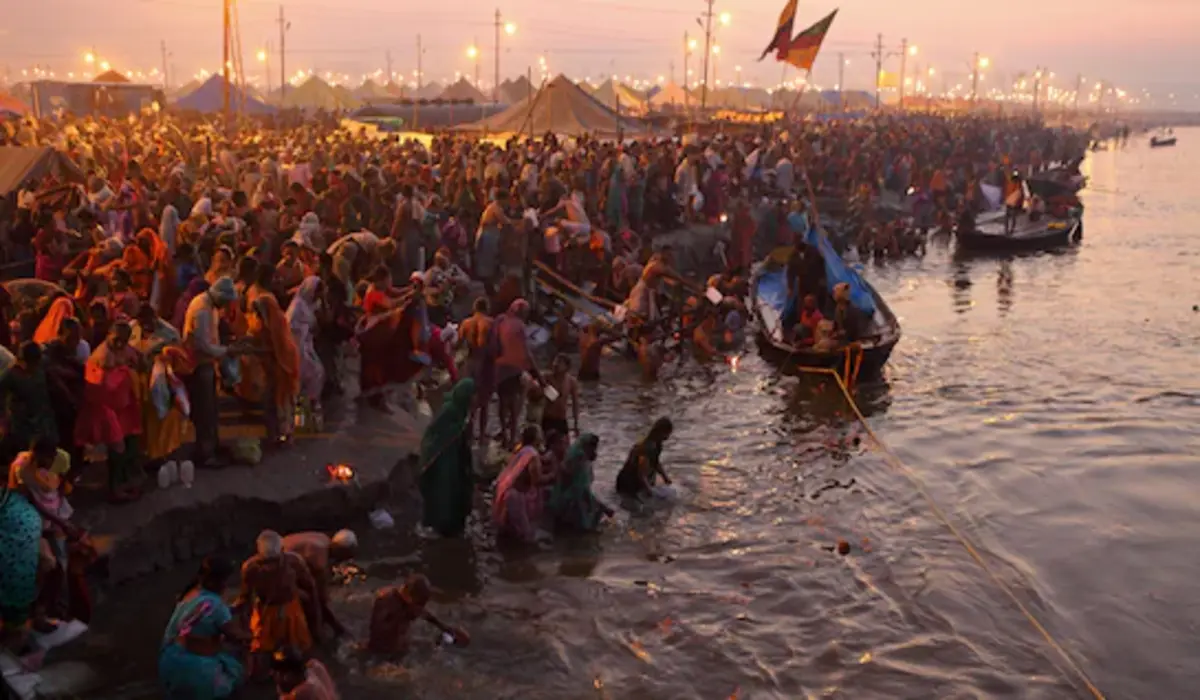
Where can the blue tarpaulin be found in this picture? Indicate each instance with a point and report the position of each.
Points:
(836, 269)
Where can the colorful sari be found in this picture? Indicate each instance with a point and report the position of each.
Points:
(446, 479)
(111, 413)
(61, 309)
(572, 502)
(20, 540)
(281, 364)
(389, 344)
(302, 320)
(509, 502)
(189, 676)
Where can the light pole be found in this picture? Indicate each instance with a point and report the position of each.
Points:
(473, 54)
(264, 57)
(716, 52)
(980, 63)
(905, 52)
(508, 28)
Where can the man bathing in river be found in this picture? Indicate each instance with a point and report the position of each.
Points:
(273, 582)
(554, 417)
(591, 346)
(319, 551)
(394, 611)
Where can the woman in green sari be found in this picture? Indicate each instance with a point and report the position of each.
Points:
(446, 483)
(572, 502)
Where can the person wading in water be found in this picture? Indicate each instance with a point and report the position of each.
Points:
(643, 465)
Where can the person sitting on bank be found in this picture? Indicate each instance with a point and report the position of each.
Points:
(191, 662)
(320, 551)
(394, 611)
(643, 465)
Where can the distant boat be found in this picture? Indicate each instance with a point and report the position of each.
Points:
(1028, 236)
(1161, 141)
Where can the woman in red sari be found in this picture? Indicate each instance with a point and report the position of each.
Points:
(392, 336)
(111, 414)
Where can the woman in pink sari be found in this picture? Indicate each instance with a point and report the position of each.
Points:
(302, 319)
(517, 508)
(111, 414)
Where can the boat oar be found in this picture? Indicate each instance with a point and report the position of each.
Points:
(559, 279)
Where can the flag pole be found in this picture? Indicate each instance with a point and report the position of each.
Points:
(807, 80)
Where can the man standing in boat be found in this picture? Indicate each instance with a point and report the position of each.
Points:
(1014, 202)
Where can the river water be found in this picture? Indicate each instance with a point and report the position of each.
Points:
(1048, 403)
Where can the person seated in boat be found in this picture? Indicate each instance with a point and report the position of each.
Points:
(810, 316)
(848, 321)
(825, 337)
(643, 466)
(1037, 207)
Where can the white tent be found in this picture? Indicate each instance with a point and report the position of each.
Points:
(619, 97)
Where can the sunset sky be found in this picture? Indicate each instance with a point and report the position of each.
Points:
(1135, 45)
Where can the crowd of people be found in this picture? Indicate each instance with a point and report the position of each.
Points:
(194, 264)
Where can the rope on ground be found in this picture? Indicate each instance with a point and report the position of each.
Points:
(897, 464)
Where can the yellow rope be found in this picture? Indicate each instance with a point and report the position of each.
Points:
(899, 466)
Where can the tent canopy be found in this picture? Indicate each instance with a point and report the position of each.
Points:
(563, 108)
(18, 165)
(110, 76)
(371, 90)
(670, 94)
(462, 90)
(210, 97)
(315, 93)
(612, 93)
(514, 91)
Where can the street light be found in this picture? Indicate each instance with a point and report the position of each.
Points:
(725, 18)
(104, 66)
(89, 58)
(510, 28)
(473, 54)
(912, 51)
(692, 44)
(262, 55)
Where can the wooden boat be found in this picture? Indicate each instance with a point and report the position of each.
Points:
(1161, 141)
(1044, 234)
(768, 299)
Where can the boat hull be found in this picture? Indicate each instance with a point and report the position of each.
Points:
(991, 241)
(767, 301)
(1155, 143)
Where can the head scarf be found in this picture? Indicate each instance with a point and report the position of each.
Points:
(224, 291)
(47, 331)
(300, 312)
(449, 422)
(841, 292)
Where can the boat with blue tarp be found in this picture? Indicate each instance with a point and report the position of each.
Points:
(775, 309)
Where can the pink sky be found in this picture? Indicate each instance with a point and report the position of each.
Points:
(1149, 44)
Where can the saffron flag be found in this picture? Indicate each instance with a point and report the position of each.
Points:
(802, 51)
(783, 31)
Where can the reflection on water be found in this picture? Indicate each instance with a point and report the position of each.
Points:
(1055, 422)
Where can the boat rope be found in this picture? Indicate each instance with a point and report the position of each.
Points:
(898, 465)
